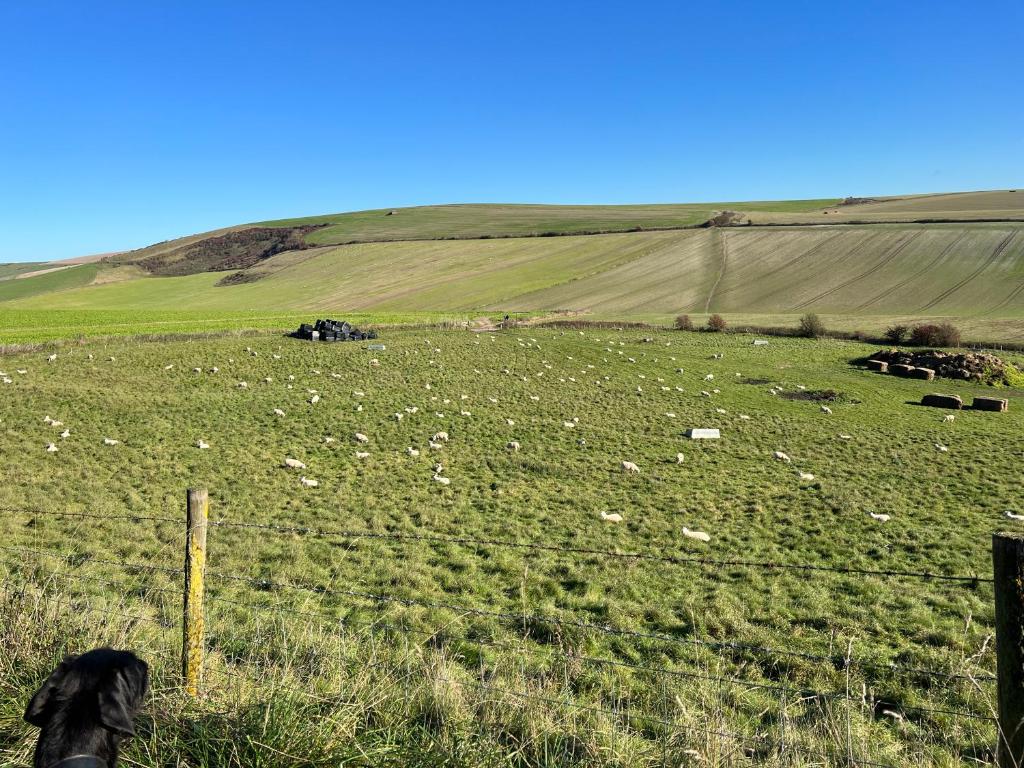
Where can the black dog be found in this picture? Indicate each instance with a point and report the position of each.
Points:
(86, 707)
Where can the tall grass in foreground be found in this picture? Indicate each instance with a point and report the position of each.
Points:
(287, 696)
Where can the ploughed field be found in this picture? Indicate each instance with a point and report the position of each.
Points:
(564, 651)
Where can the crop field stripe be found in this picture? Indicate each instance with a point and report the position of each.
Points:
(1009, 299)
(924, 270)
(812, 250)
(886, 259)
(837, 662)
(988, 263)
(723, 247)
(672, 559)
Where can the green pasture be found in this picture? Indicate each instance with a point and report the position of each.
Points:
(295, 607)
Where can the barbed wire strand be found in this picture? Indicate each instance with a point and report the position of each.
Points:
(668, 559)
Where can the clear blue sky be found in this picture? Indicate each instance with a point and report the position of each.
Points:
(126, 123)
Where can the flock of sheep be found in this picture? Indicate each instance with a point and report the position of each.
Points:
(435, 441)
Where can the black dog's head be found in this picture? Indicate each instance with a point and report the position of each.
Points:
(87, 705)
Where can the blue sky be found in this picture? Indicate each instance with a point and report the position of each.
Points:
(126, 123)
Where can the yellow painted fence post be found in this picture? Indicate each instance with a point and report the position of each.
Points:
(193, 628)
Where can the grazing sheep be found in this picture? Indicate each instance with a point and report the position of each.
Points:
(362, 455)
(720, 410)
(744, 417)
(308, 483)
(169, 367)
(243, 385)
(568, 424)
(510, 422)
(314, 399)
(197, 370)
(613, 517)
(202, 445)
(51, 448)
(53, 357)
(513, 445)
(278, 412)
(630, 467)
(442, 480)
(845, 437)
(414, 452)
(670, 415)
(705, 393)
(361, 438)
(328, 439)
(697, 535)
(941, 448)
(781, 456)
(294, 464)
(826, 410)
(398, 416)
(434, 446)
(109, 441)
(66, 433)
(880, 517)
(806, 476)
(465, 413)
(1012, 516)
(440, 437)
(709, 377)
(680, 458)
(21, 371)
(949, 418)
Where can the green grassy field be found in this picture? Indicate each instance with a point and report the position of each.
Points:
(27, 326)
(436, 685)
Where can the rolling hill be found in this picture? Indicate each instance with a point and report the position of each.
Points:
(965, 259)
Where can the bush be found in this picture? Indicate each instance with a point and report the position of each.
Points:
(684, 323)
(811, 326)
(895, 334)
(931, 335)
(716, 323)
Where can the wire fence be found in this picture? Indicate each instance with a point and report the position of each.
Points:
(731, 659)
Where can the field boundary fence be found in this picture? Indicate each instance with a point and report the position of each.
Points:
(186, 595)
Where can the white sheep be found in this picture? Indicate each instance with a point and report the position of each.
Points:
(826, 410)
(1012, 516)
(278, 412)
(697, 535)
(680, 458)
(169, 367)
(294, 464)
(781, 456)
(362, 455)
(328, 439)
(109, 441)
(613, 517)
(513, 445)
(361, 438)
(882, 518)
(314, 399)
(568, 424)
(66, 433)
(51, 448)
(53, 357)
(440, 437)
(949, 418)
(442, 480)
(806, 476)
(243, 385)
(414, 452)
(629, 466)
(941, 448)
(308, 482)
(434, 446)
(202, 445)
(709, 377)
(843, 436)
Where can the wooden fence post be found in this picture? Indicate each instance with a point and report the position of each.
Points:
(193, 628)
(1008, 567)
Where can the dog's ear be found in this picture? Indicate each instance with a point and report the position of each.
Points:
(122, 699)
(36, 711)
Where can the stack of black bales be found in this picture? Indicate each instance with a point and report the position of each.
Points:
(332, 330)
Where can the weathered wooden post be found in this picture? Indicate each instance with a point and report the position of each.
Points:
(1008, 567)
(193, 628)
